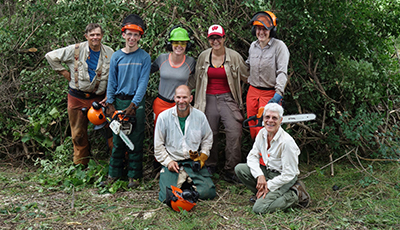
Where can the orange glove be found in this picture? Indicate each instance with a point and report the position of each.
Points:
(202, 159)
(193, 155)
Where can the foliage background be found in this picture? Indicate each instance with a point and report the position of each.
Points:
(344, 67)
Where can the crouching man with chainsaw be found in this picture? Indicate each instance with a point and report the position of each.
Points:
(275, 183)
(182, 143)
(127, 83)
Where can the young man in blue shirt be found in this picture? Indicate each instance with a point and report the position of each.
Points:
(127, 84)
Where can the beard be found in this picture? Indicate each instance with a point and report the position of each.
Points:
(182, 107)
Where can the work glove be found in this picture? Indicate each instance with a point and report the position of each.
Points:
(193, 155)
(276, 99)
(198, 159)
(131, 110)
(202, 159)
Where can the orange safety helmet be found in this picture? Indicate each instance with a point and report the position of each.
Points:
(264, 18)
(96, 116)
(176, 201)
(133, 22)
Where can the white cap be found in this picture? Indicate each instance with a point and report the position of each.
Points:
(216, 30)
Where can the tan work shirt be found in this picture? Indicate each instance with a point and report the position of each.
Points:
(235, 68)
(268, 66)
(67, 55)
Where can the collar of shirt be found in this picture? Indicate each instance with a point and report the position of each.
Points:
(277, 134)
(175, 113)
(267, 46)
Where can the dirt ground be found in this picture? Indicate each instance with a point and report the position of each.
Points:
(26, 204)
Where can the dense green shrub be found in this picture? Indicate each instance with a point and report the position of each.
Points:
(343, 65)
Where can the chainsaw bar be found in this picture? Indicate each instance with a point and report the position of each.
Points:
(126, 140)
(298, 118)
(115, 126)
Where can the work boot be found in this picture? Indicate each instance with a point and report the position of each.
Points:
(304, 197)
(108, 182)
(231, 178)
(253, 199)
(133, 183)
(211, 169)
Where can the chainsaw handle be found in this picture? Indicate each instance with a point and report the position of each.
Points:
(253, 118)
(258, 117)
(120, 116)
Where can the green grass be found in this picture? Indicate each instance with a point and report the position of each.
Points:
(365, 197)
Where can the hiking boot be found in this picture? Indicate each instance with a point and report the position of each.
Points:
(253, 199)
(133, 183)
(231, 178)
(109, 181)
(304, 197)
(211, 170)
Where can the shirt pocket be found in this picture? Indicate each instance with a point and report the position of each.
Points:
(234, 71)
(267, 61)
(254, 59)
(195, 137)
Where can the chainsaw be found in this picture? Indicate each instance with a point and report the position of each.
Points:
(120, 124)
(286, 119)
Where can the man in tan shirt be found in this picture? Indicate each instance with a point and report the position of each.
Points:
(88, 64)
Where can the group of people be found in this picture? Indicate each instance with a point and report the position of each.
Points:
(186, 136)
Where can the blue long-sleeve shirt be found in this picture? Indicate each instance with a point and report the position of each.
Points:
(129, 75)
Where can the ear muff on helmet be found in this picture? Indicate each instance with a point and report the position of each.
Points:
(179, 33)
(133, 22)
(266, 19)
(179, 199)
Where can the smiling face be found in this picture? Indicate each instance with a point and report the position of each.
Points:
(132, 38)
(262, 34)
(272, 122)
(94, 38)
(179, 47)
(216, 42)
(183, 98)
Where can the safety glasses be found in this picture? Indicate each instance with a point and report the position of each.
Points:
(213, 38)
(179, 43)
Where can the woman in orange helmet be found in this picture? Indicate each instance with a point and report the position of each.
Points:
(268, 60)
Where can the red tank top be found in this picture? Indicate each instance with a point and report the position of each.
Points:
(217, 81)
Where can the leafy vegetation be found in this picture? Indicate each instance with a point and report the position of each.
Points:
(344, 67)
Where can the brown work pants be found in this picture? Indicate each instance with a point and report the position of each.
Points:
(223, 108)
(78, 122)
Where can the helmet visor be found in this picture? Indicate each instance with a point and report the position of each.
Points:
(262, 19)
(132, 27)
